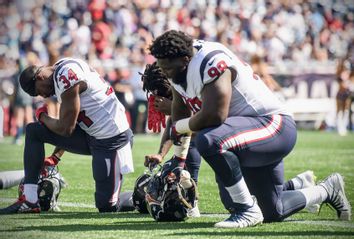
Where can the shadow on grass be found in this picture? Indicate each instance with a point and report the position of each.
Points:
(189, 229)
(141, 225)
(134, 222)
(91, 215)
(264, 234)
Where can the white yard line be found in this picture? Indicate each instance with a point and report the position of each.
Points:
(320, 223)
(75, 204)
(216, 215)
(63, 204)
(327, 223)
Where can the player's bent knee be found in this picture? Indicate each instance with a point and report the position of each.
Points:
(273, 217)
(32, 128)
(108, 208)
(103, 201)
(273, 212)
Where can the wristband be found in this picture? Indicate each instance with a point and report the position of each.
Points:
(181, 151)
(182, 126)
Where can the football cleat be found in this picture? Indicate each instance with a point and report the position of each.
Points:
(308, 179)
(49, 187)
(21, 206)
(334, 185)
(252, 217)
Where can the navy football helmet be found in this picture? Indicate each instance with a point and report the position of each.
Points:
(139, 193)
(167, 199)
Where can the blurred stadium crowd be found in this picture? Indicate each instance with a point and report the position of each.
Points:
(288, 35)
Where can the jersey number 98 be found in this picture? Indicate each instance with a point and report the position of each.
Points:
(218, 70)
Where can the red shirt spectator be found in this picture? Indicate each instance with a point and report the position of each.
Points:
(100, 37)
(96, 8)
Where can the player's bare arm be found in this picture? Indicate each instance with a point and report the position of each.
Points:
(165, 145)
(216, 96)
(58, 152)
(69, 111)
(179, 108)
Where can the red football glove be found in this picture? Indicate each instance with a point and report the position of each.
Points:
(155, 118)
(50, 161)
(40, 110)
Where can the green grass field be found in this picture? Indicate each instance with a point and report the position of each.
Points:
(322, 152)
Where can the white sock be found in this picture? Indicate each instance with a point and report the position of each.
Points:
(314, 195)
(239, 193)
(30, 191)
(297, 183)
(303, 180)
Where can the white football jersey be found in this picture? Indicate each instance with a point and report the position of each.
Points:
(250, 95)
(101, 114)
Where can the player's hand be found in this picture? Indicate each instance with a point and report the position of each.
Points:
(51, 161)
(163, 105)
(152, 160)
(174, 165)
(40, 110)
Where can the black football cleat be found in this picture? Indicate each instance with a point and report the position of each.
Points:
(21, 206)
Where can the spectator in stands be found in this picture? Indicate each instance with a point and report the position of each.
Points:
(23, 111)
(123, 90)
(345, 77)
(100, 30)
(101, 33)
(139, 108)
(52, 102)
(261, 69)
(1, 124)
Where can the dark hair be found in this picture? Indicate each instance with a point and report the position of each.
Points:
(172, 44)
(155, 81)
(27, 80)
